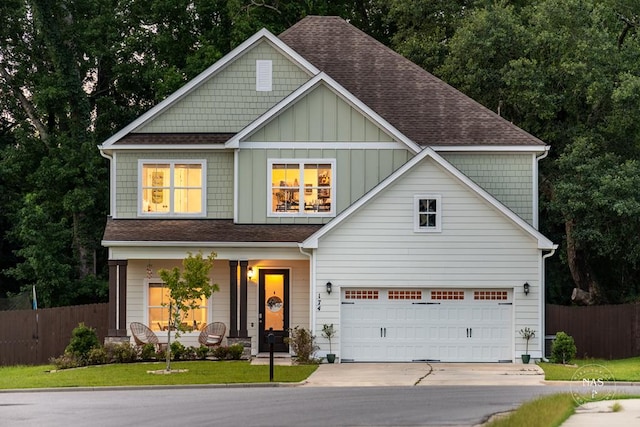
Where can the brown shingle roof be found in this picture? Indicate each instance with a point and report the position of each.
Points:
(174, 138)
(421, 106)
(203, 230)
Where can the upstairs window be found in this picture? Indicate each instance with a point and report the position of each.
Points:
(301, 187)
(427, 213)
(172, 188)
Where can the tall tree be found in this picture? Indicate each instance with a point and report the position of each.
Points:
(567, 72)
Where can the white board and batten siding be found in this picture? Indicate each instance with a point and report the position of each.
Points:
(478, 249)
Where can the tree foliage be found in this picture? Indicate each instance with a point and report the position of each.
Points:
(186, 289)
(74, 72)
(568, 73)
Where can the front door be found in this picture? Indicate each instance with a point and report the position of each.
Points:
(274, 309)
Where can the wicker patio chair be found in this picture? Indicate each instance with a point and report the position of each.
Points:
(143, 335)
(212, 334)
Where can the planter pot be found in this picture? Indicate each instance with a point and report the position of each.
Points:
(526, 358)
(331, 357)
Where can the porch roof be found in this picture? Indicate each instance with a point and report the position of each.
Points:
(203, 230)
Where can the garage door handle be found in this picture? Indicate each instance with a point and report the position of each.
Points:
(383, 332)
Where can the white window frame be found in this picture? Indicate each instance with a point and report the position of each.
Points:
(147, 321)
(301, 212)
(416, 213)
(172, 163)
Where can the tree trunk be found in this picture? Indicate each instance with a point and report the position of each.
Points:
(587, 291)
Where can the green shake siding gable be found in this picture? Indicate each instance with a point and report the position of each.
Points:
(219, 180)
(228, 101)
(508, 177)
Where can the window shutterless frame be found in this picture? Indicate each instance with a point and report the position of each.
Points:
(175, 188)
(427, 213)
(301, 187)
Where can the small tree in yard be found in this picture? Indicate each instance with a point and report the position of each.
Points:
(563, 348)
(186, 288)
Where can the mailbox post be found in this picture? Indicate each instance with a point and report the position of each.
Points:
(271, 339)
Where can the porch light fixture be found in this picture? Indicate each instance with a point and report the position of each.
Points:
(250, 273)
(526, 288)
(329, 286)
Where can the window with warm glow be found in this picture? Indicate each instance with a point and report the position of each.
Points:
(172, 188)
(159, 310)
(301, 187)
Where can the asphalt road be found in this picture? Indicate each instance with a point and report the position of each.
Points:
(283, 406)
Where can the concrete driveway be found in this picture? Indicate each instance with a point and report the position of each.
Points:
(424, 374)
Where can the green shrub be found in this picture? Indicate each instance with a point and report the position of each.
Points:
(235, 351)
(66, 361)
(202, 352)
(220, 352)
(303, 345)
(178, 351)
(563, 348)
(121, 353)
(148, 352)
(83, 339)
(97, 356)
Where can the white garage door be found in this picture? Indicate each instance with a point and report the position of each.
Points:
(426, 324)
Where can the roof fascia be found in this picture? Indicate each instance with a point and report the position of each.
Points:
(154, 243)
(491, 148)
(322, 77)
(150, 147)
(543, 243)
(206, 74)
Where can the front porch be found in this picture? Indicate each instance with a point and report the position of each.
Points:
(254, 295)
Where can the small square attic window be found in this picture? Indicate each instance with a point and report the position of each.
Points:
(264, 75)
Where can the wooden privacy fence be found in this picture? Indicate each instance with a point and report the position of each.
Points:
(32, 337)
(605, 331)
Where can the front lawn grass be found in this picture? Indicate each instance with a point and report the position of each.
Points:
(134, 374)
(547, 411)
(622, 369)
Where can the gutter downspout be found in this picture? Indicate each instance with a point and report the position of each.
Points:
(535, 185)
(112, 187)
(543, 289)
(312, 290)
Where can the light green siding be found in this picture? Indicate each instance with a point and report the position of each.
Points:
(228, 101)
(508, 177)
(357, 171)
(219, 180)
(321, 115)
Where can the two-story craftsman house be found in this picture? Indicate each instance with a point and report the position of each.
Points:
(338, 183)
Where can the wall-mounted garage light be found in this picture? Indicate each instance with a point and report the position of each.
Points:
(250, 273)
(329, 286)
(526, 288)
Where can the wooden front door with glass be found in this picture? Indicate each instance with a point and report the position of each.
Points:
(274, 309)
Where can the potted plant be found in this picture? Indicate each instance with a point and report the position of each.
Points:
(527, 333)
(328, 332)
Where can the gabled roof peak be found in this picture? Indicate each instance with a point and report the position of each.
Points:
(421, 106)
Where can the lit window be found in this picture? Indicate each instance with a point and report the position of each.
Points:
(159, 310)
(172, 188)
(301, 188)
(427, 213)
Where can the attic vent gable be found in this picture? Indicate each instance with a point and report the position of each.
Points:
(264, 75)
